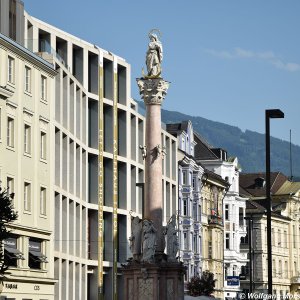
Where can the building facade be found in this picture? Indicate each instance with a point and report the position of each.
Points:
(189, 199)
(26, 169)
(97, 162)
(285, 234)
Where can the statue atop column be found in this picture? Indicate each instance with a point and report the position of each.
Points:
(154, 55)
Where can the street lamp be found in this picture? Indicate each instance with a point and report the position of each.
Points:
(270, 114)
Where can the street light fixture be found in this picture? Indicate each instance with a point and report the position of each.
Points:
(269, 114)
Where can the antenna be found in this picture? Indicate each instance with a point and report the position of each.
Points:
(291, 161)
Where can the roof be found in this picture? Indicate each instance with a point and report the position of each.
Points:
(203, 149)
(247, 183)
(177, 127)
(289, 187)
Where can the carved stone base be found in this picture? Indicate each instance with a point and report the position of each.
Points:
(153, 281)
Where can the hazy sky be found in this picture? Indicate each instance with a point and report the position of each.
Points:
(226, 60)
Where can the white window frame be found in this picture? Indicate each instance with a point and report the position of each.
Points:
(27, 196)
(27, 79)
(10, 184)
(43, 145)
(10, 138)
(27, 138)
(43, 88)
(43, 200)
(10, 69)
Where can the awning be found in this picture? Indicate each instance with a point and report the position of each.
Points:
(38, 256)
(13, 253)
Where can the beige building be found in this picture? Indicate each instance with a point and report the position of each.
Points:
(212, 195)
(26, 169)
(285, 233)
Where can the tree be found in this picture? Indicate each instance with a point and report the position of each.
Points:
(7, 215)
(202, 286)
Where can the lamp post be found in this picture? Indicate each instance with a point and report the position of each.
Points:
(269, 114)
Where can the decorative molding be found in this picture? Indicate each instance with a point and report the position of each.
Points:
(5, 92)
(153, 91)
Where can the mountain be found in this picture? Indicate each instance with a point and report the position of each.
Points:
(248, 146)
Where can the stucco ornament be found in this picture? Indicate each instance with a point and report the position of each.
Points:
(172, 239)
(136, 237)
(149, 241)
(154, 55)
(153, 91)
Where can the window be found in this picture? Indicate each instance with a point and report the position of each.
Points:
(195, 212)
(27, 196)
(27, 79)
(11, 70)
(185, 241)
(184, 177)
(194, 183)
(43, 201)
(43, 87)
(195, 243)
(234, 270)
(227, 241)
(10, 132)
(35, 254)
(43, 145)
(10, 185)
(11, 252)
(27, 139)
(226, 212)
(279, 238)
(184, 207)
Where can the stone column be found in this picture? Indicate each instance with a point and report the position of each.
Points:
(153, 91)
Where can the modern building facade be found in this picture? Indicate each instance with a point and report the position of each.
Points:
(26, 169)
(96, 134)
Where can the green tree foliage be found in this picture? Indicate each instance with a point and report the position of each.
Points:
(7, 215)
(202, 286)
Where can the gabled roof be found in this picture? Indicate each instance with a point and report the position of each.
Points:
(289, 188)
(203, 149)
(177, 127)
(247, 183)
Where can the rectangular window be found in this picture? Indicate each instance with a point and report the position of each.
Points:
(43, 145)
(27, 196)
(27, 79)
(184, 177)
(43, 201)
(10, 132)
(226, 212)
(11, 70)
(10, 185)
(43, 87)
(227, 241)
(195, 243)
(184, 207)
(27, 139)
(195, 217)
(185, 241)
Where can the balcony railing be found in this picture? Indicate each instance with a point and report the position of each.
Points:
(215, 220)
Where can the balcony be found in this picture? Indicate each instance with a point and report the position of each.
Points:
(215, 220)
(295, 280)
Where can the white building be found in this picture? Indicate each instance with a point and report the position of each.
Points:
(189, 199)
(233, 213)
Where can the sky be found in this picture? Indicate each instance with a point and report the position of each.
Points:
(227, 61)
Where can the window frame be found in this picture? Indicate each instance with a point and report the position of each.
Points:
(43, 88)
(27, 79)
(43, 145)
(10, 132)
(43, 201)
(10, 69)
(27, 139)
(27, 196)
